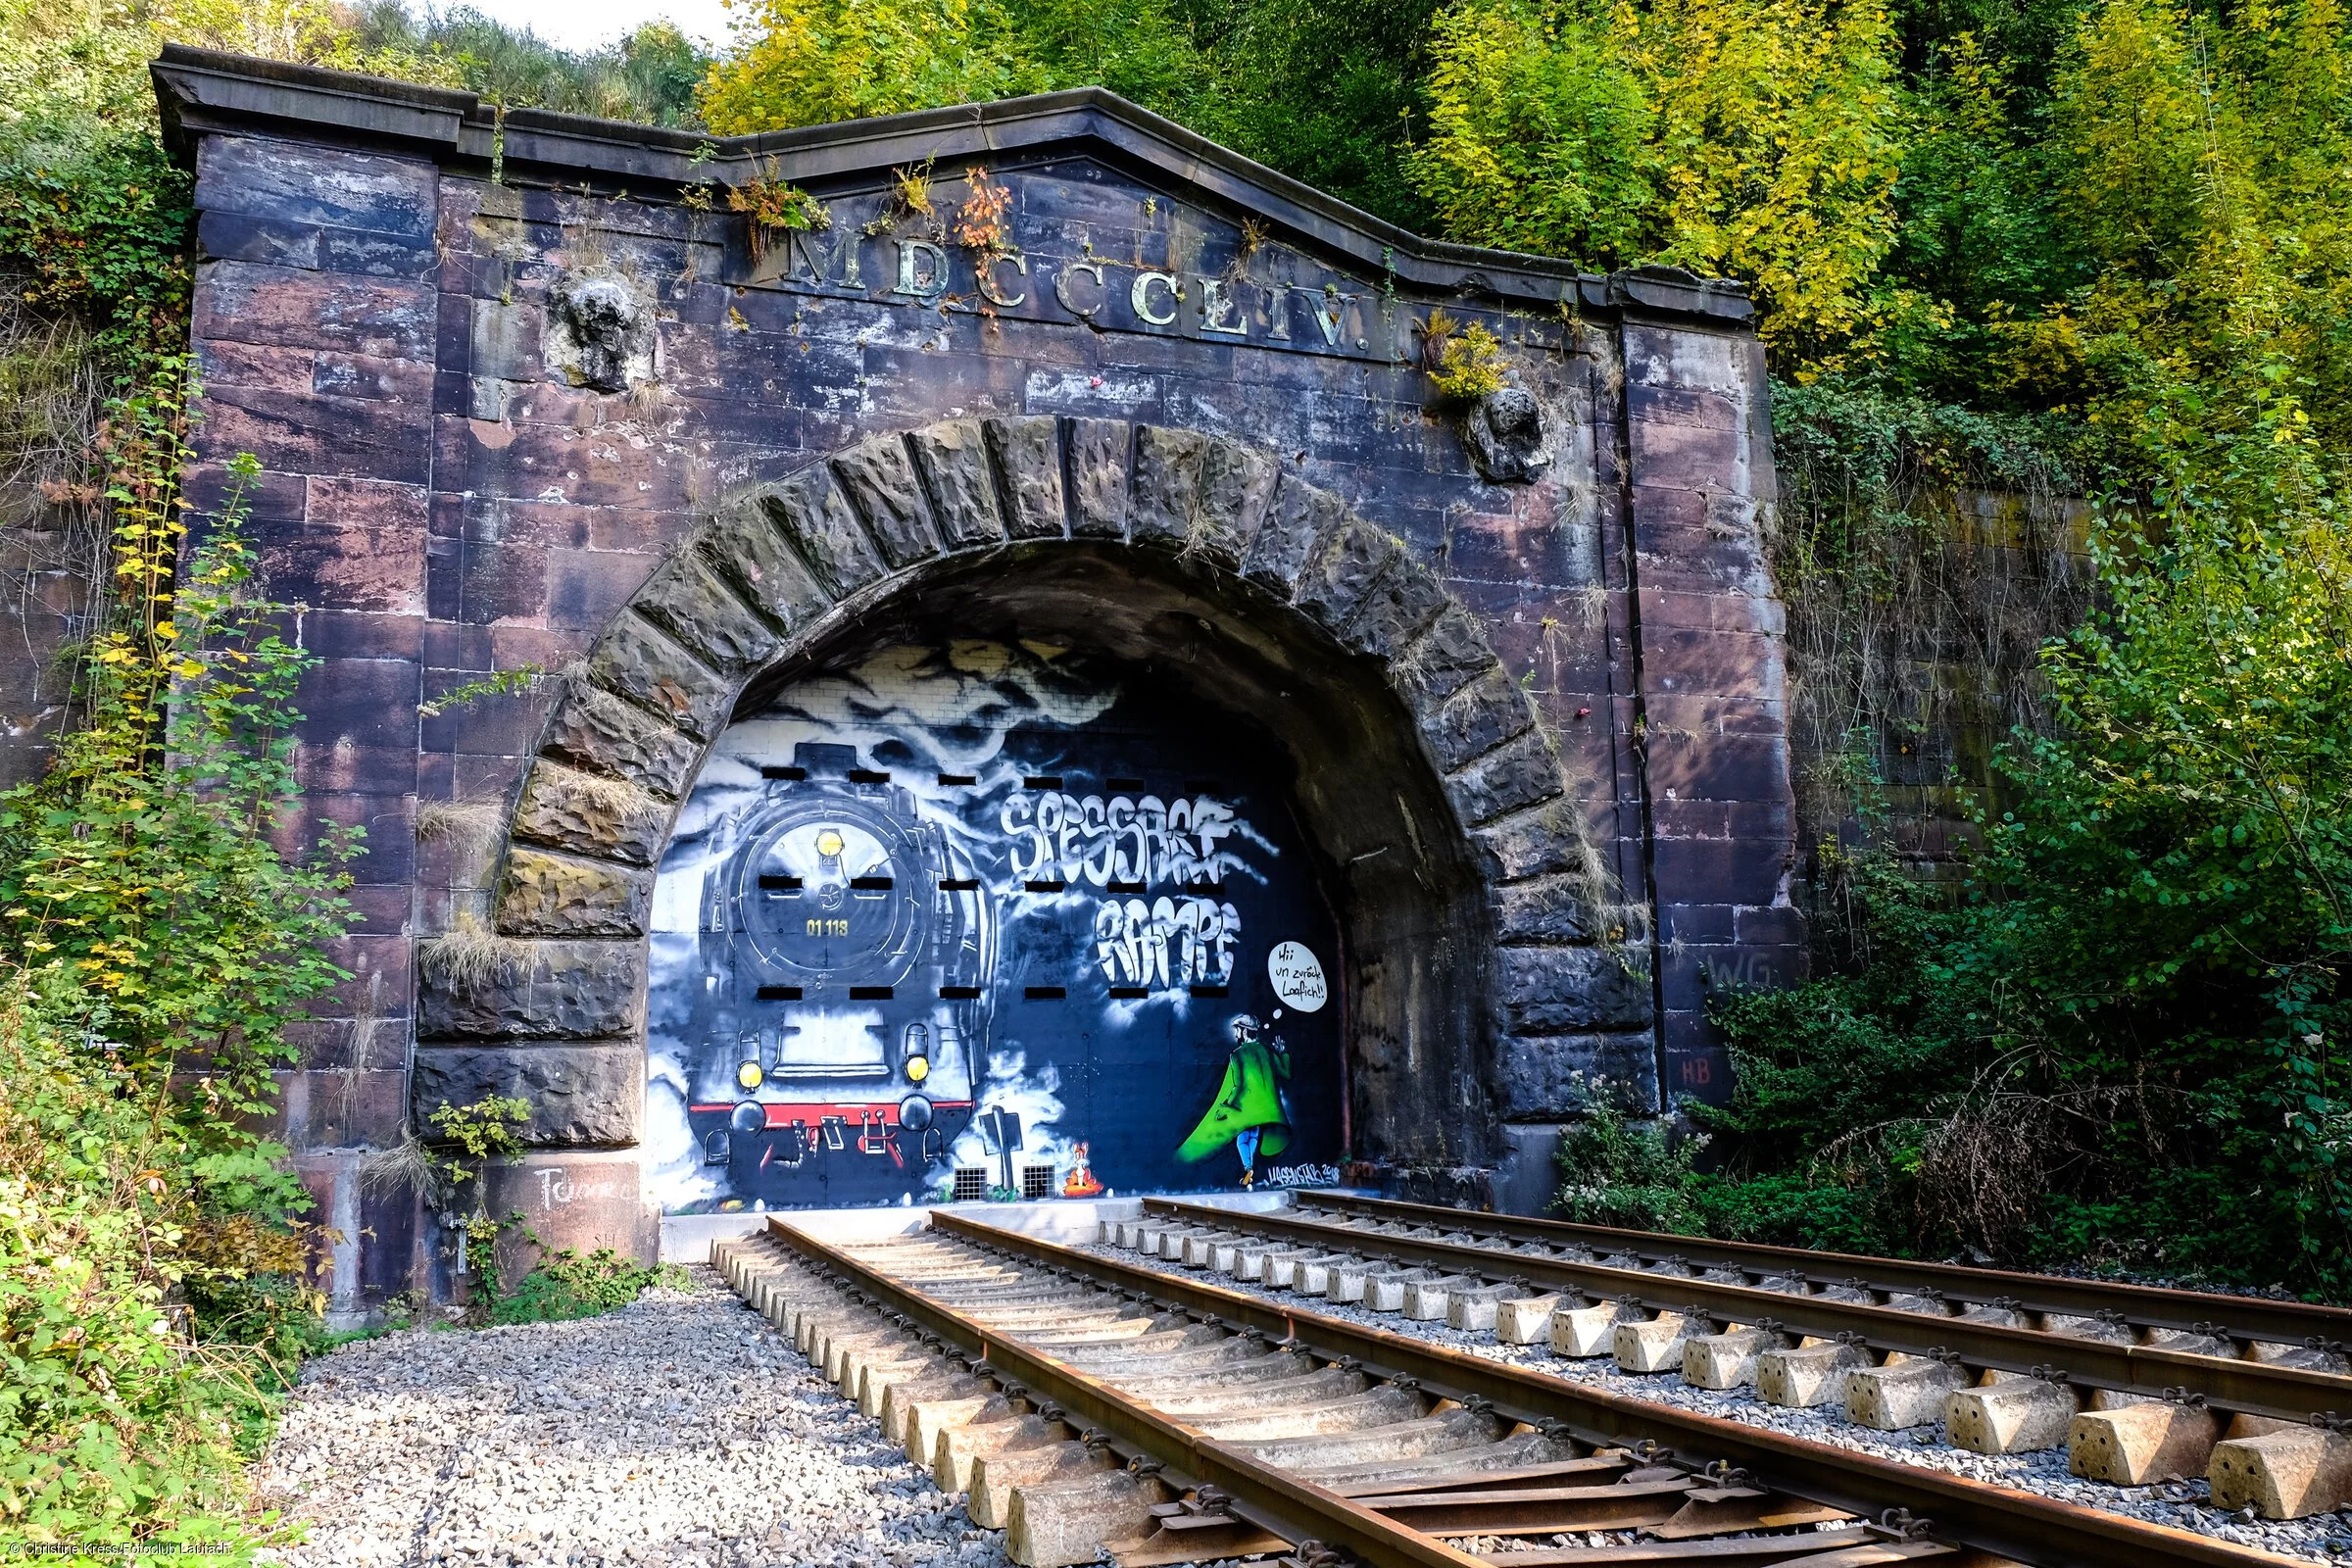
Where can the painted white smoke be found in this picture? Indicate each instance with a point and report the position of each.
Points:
(674, 1174)
(1035, 1097)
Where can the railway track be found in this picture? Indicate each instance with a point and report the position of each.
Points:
(1082, 1401)
(2140, 1384)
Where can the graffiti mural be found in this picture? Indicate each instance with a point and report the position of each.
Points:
(986, 920)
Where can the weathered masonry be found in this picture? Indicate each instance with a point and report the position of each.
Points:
(1043, 692)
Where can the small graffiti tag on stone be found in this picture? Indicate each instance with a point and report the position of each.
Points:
(557, 1188)
(1297, 977)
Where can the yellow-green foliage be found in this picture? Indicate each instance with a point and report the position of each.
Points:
(2203, 166)
(1540, 133)
(816, 61)
(808, 62)
(1469, 364)
(1758, 139)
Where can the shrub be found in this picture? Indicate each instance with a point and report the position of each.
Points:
(1617, 1170)
(565, 1285)
(155, 945)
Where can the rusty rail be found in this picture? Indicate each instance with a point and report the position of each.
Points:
(2257, 1388)
(2241, 1317)
(2008, 1524)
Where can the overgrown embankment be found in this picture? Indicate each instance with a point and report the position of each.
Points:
(166, 910)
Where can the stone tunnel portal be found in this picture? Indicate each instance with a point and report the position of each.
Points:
(1472, 707)
(1067, 877)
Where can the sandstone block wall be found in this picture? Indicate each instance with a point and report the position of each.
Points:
(463, 474)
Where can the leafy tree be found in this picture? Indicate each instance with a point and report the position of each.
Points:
(816, 61)
(1726, 135)
(650, 75)
(156, 944)
(1539, 134)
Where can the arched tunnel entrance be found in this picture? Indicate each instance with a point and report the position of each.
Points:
(727, 860)
(1072, 871)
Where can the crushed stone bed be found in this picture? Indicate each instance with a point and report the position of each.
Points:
(2183, 1505)
(679, 1429)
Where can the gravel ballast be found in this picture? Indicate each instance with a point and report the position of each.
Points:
(679, 1429)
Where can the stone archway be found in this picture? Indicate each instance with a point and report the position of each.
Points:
(782, 567)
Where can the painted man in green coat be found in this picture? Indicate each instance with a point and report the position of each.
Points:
(1250, 1112)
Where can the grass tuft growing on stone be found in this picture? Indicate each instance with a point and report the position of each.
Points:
(469, 956)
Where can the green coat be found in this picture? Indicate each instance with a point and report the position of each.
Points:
(1250, 1096)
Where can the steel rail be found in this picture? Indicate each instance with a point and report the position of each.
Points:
(1270, 1499)
(2256, 1387)
(2247, 1317)
(2017, 1525)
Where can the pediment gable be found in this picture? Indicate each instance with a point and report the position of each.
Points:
(1124, 174)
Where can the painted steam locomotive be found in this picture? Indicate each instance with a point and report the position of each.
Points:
(846, 947)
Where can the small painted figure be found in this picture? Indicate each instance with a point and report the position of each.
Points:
(1250, 1112)
(1080, 1181)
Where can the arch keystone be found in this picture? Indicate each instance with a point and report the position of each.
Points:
(1164, 491)
(1099, 453)
(1028, 458)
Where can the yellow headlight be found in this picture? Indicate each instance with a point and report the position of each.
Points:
(918, 1069)
(829, 844)
(748, 1075)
